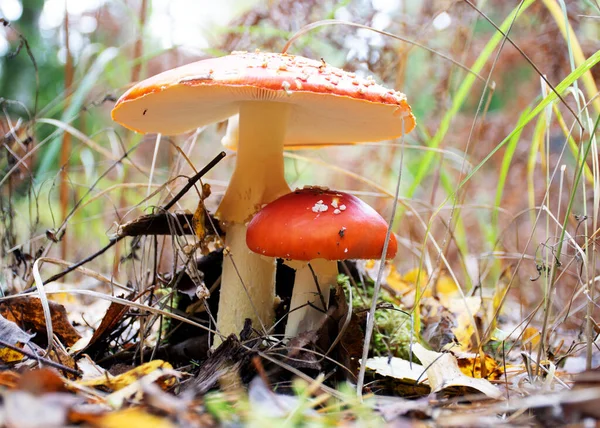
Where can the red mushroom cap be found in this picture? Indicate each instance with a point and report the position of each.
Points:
(330, 105)
(314, 223)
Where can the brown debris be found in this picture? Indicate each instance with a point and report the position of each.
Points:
(27, 312)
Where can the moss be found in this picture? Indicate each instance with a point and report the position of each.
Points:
(392, 333)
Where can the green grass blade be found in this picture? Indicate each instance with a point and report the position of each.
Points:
(461, 96)
(91, 78)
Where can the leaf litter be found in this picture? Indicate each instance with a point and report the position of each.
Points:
(472, 362)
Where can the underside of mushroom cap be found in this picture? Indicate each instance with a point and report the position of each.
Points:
(313, 223)
(329, 105)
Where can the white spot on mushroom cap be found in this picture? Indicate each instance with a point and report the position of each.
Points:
(320, 207)
(336, 211)
(286, 87)
(342, 207)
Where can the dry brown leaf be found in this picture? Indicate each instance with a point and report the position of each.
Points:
(27, 312)
(112, 318)
(9, 379)
(443, 372)
(41, 381)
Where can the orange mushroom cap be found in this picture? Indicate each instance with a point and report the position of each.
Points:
(312, 223)
(330, 105)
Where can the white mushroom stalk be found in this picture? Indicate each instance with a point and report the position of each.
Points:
(306, 307)
(281, 100)
(248, 280)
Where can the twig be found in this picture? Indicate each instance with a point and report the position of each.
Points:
(192, 181)
(377, 286)
(166, 207)
(40, 359)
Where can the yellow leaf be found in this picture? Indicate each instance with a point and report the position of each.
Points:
(412, 276)
(121, 381)
(531, 337)
(470, 364)
(9, 355)
(464, 309)
(446, 286)
(396, 282)
(133, 417)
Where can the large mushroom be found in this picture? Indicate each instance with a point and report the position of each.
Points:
(318, 226)
(281, 100)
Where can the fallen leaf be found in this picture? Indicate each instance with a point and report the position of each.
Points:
(445, 286)
(60, 356)
(395, 280)
(163, 375)
(25, 410)
(416, 275)
(397, 368)
(9, 379)
(530, 338)
(112, 318)
(443, 372)
(27, 312)
(464, 309)
(134, 417)
(41, 381)
(11, 334)
(470, 364)
(9, 355)
(123, 380)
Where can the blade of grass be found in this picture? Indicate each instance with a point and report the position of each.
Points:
(572, 144)
(504, 170)
(574, 47)
(76, 101)
(65, 150)
(552, 276)
(551, 97)
(535, 148)
(461, 95)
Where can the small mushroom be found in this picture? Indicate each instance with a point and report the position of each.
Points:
(274, 111)
(318, 226)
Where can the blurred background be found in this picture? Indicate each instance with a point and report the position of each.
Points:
(63, 64)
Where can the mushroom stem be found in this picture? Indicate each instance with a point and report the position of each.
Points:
(304, 316)
(257, 179)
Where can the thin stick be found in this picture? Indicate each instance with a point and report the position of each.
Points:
(371, 316)
(40, 359)
(172, 202)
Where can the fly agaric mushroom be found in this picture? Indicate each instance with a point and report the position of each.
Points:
(281, 100)
(318, 226)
